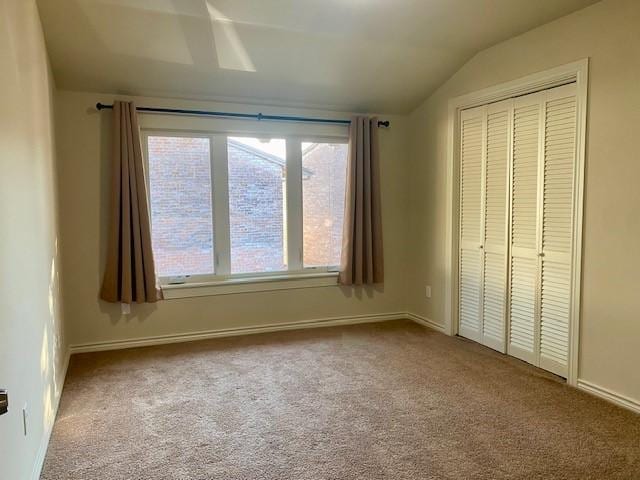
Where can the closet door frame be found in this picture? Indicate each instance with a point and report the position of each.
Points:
(576, 72)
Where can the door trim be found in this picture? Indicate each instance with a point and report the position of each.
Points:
(575, 72)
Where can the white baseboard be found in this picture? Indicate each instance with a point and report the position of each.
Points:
(606, 394)
(231, 332)
(46, 436)
(426, 322)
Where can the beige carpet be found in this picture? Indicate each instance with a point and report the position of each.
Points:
(377, 401)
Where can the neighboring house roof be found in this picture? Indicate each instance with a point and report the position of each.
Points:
(310, 148)
(265, 156)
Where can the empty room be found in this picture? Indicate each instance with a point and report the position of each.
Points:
(319, 239)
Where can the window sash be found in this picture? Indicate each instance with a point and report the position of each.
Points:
(294, 205)
(222, 237)
(218, 149)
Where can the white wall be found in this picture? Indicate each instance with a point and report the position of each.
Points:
(84, 152)
(32, 348)
(607, 32)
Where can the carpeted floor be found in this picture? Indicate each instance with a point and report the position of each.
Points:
(379, 401)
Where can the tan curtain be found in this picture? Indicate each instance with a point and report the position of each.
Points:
(362, 257)
(130, 271)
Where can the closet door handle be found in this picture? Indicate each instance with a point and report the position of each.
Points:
(541, 254)
(481, 247)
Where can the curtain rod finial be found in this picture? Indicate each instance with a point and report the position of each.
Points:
(385, 124)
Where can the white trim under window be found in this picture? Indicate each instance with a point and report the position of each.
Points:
(239, 284)
(223, 281)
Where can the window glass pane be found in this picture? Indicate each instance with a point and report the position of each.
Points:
(324, 171)
(181, 209)
(257, 210)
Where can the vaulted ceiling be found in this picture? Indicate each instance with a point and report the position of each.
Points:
(359, 55)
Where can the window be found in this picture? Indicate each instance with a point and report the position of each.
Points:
(243, 206)
(323, 190)
(181, 207)
(257, 211)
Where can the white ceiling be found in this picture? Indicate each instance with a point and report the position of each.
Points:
(358, 55)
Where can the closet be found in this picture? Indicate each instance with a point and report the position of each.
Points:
(517, 164)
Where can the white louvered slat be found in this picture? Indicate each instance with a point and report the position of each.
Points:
(522, 308)
(472, 151)
(496, 197)
(524, 197)
(496, 181)
(524, 227)
(557, 229)
(494, 300)
(554, 316)
(470, 276)
(471, 178)
(558, 175)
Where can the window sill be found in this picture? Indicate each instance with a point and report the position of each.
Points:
(251, 284)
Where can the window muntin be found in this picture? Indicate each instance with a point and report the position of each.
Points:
(180, 189)
(238, 238)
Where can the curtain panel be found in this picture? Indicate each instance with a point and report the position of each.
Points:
(130, 274)
(362, 261)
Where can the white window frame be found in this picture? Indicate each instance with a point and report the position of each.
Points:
(222, 281)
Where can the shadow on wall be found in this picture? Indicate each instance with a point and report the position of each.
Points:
(362, 291)
(139, 312)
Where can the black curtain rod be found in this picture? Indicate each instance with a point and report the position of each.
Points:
(255, 116)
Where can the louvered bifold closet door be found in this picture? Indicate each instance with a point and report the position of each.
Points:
(472, 151)
(523, 265)
(517, 225)
(496, 201)
(557, 228)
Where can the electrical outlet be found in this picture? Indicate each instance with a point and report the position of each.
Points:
(427, 291)
(25, 417)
